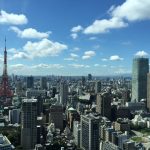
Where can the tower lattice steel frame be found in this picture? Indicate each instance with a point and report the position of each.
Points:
(5, 90)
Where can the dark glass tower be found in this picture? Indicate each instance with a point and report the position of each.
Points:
(140, 69)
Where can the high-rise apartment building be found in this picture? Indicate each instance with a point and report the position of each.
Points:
(89, 132)
(97, 86)
(89, 77)
(29, 123)
(56, 116)
(43, 83)
(14, 116)
(140, 69)
(63, 93)
(103, 102)
(77, 132)
(30, 82)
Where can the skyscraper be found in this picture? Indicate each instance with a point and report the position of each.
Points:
(148, 91)
(63, 93)
(56, 116)
(29, 123)
(89, 132)
(43, 83)
(30, 82)
(103, 102)
(97, 86)
(140, 69)
(89, 77)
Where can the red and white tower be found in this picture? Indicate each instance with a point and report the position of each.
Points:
(5, 91)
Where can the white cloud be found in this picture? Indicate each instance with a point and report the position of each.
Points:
(44, 66)
(120, 16)
(75, 49)
(103, 26)
(77, 28)
(20, 55)
(43, 48)
(104, 59)
(122, 71)
(74, 35)
(141, 54)
(73, 57)
(115, 58)
(30, 33)
(93, 38)
(11, 18)
(12, 50)
(79, 66)
(88, 54)
(17, 66)
(132, 10)
(69, 59)
(104, 66)
(96, 65)
(1, 58)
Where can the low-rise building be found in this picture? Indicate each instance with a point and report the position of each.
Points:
(5, 143)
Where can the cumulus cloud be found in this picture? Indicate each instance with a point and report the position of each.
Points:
(115, 58)
(74, 35)
(44, 48)
(103, 26)
(12, 50)
(132, 10)
(72, 57)
(120, 16)
(77, 28)
(88, 54)
(11, 18)
(141, 54)
(30, 33)
(20, 55)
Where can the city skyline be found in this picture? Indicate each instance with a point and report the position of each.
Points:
(73, 37)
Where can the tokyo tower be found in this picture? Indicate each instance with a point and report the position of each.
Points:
(5, 91)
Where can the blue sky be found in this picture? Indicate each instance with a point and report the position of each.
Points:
(74, 37)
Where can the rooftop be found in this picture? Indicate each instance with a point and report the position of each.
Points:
(4, 141)
(29, 100)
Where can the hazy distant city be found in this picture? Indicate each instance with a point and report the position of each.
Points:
(74, 75)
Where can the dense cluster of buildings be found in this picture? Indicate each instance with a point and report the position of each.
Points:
(89, 113)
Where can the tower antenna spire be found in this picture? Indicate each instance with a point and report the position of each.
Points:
(5, 43)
